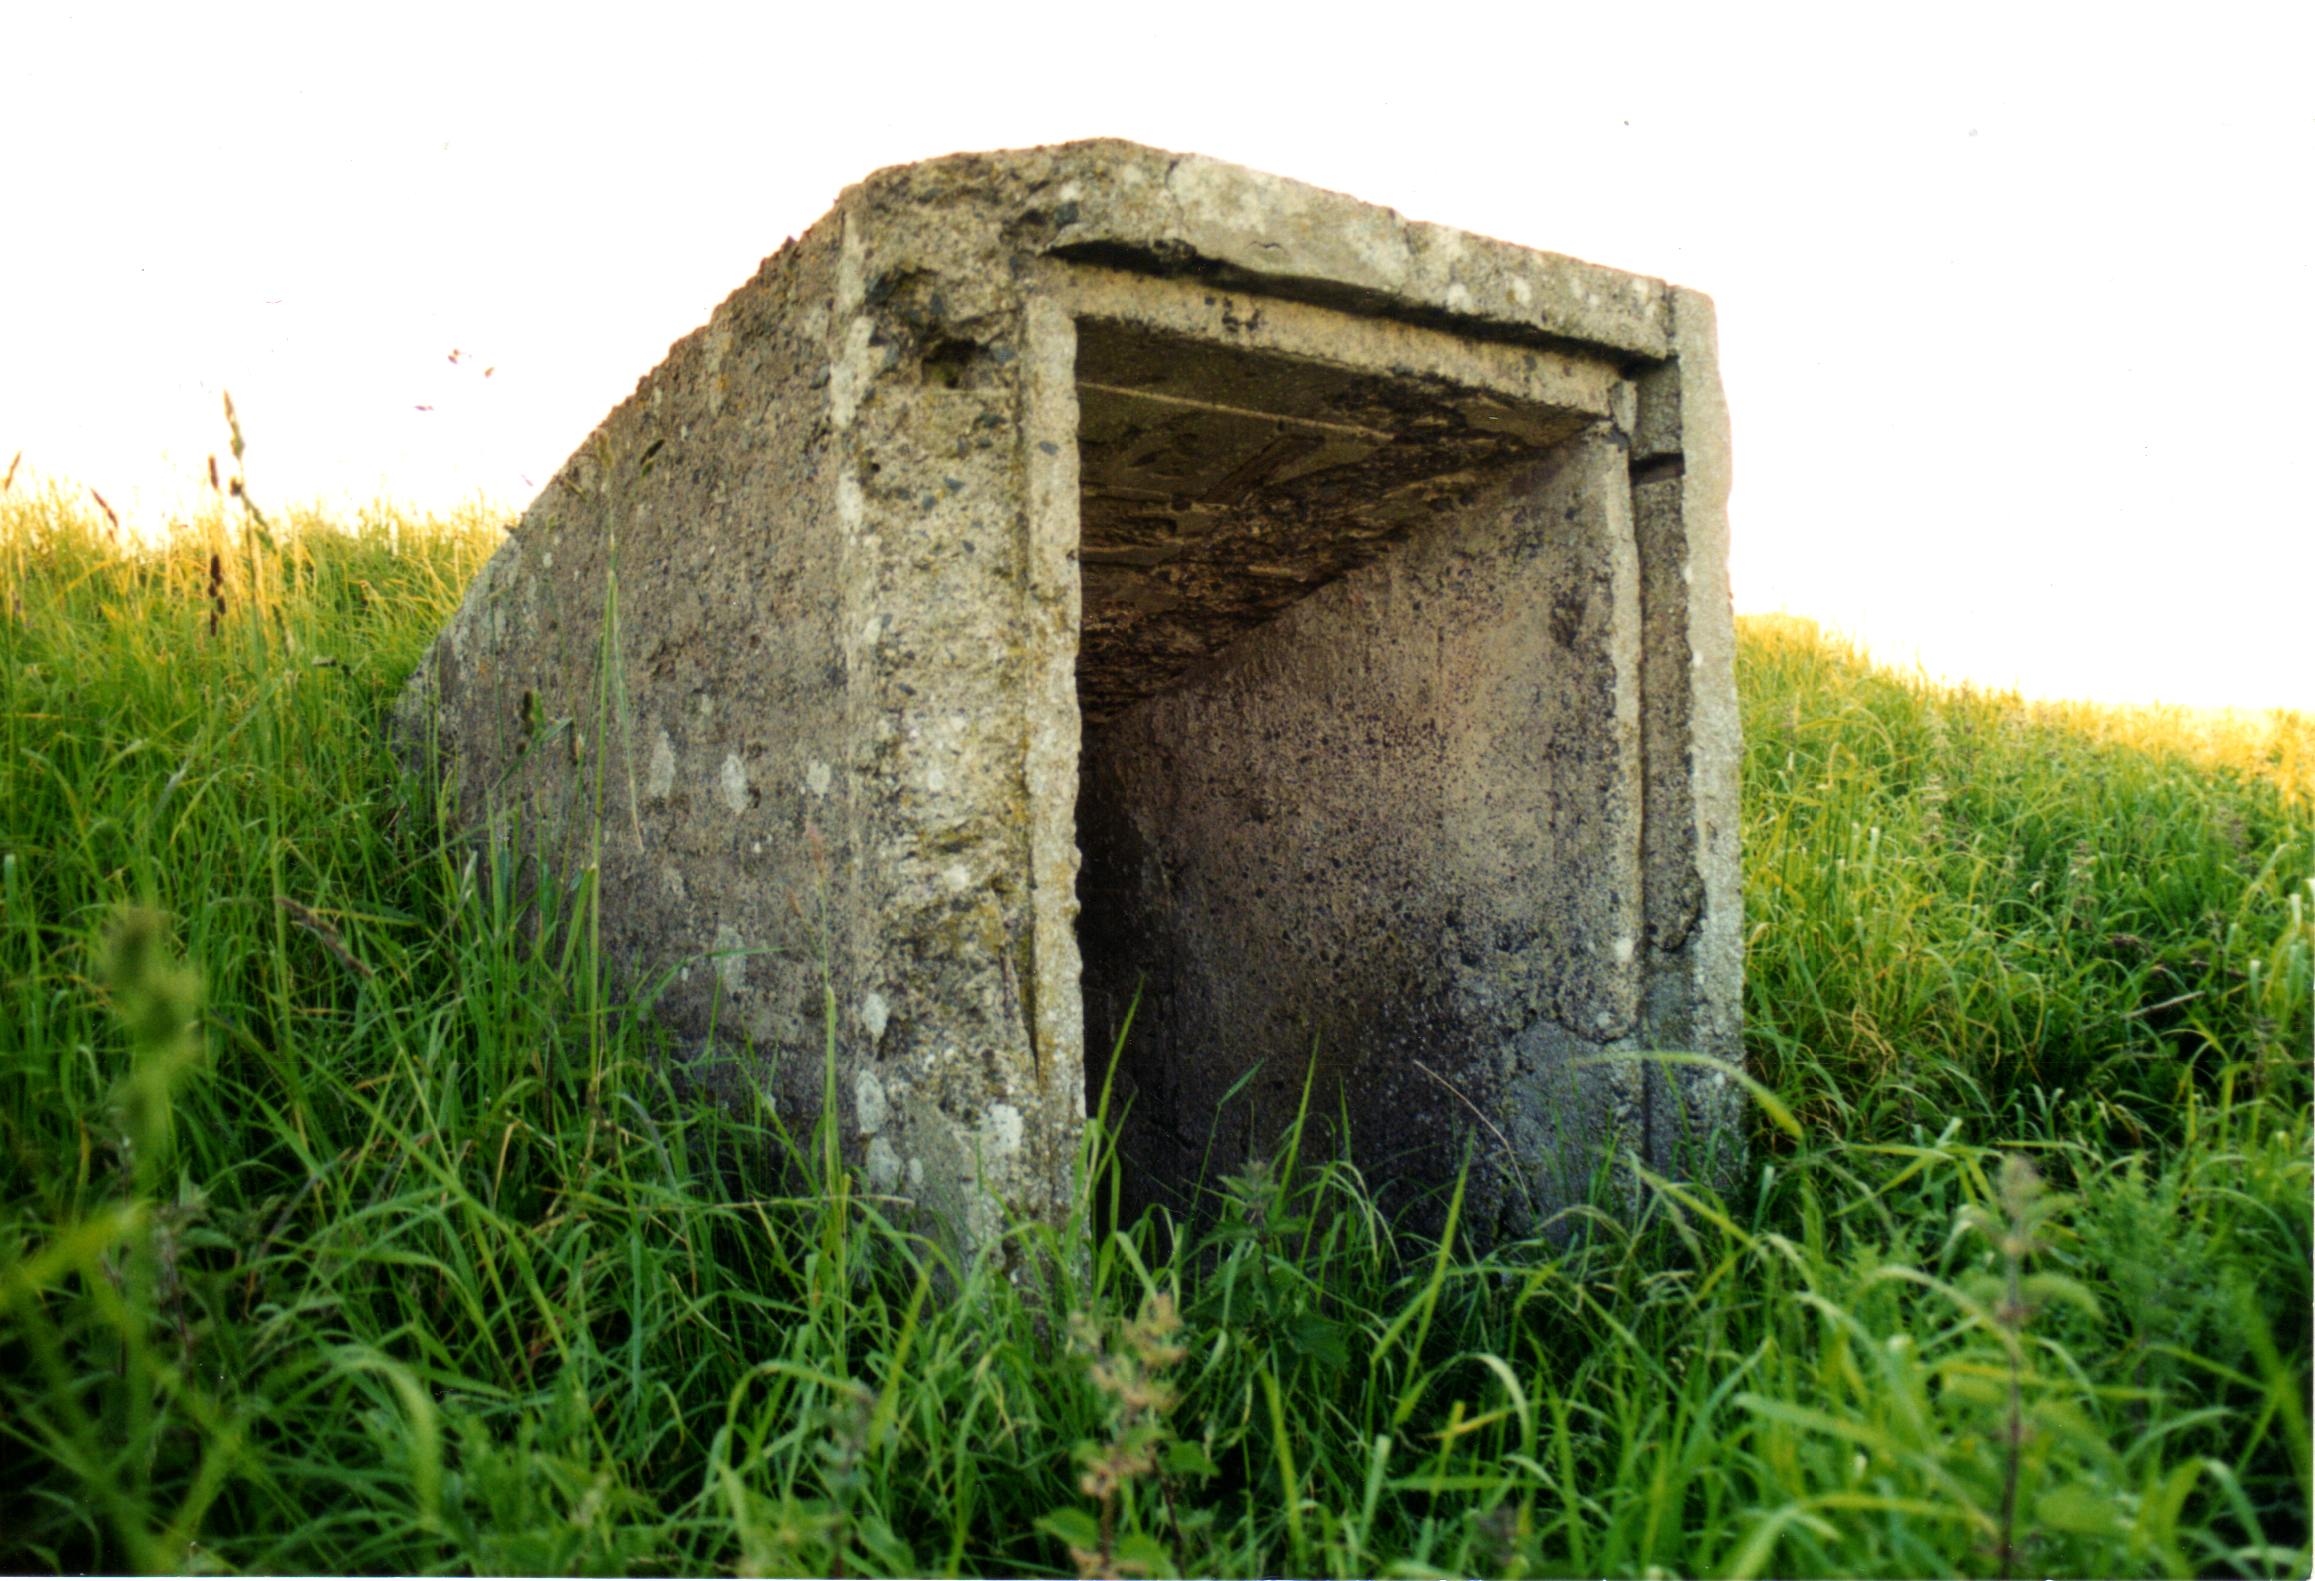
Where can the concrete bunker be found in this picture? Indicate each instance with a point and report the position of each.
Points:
(1088, 571)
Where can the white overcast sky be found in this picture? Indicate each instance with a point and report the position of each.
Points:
(2015, 302)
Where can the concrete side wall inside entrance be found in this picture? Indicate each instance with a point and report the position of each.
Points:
(1390, 843)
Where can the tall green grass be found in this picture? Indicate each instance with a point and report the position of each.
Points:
(348, 1226)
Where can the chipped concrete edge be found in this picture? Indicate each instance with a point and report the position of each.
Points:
(1176, 212)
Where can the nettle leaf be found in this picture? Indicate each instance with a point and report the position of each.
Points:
(1184, 1459)
(1075, 1527)
(1138, 1553)
(1321, 1339)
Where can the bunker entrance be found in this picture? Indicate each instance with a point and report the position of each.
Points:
(1335, 621)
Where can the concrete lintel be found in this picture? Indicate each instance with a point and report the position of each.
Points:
(1559, 378)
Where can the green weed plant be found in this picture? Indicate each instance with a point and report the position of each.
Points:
(351, 1221)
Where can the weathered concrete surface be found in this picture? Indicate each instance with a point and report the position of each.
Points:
(1375, 571)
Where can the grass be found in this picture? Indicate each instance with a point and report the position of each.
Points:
(344, 1231)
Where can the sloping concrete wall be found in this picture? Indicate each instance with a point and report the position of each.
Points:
(650, 677)
(1012, 448)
